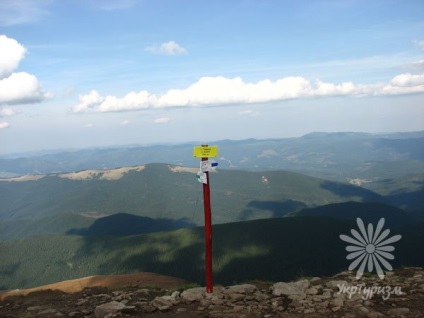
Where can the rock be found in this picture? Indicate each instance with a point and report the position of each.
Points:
(337, 302)
(35, 308)
(375, 314)
(311, 291)
(108, 308)
(241, 289)
(180, 310)
(293, 288)
(334, 284)
(361, 311)
(236, 297)
(47, 312)
(176, 295)
(398, 312)
(192, 294)
(164, 303)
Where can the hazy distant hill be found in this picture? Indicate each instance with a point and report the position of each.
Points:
(359, 157)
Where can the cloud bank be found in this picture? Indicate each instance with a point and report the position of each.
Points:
(20, 87)
(216, 91)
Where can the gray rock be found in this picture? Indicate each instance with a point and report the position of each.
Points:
(241, 289)
(108, 308)
(361, 311)
(164, 303)
(398, 312)
(192, 294)
(293, 288)
(333, 284)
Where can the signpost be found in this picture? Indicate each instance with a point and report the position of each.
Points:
(205, 152)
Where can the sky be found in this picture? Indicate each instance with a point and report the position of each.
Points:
(96, 73)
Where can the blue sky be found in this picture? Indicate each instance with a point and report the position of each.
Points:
(83, 73)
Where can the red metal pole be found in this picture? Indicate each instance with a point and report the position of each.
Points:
(208, 233)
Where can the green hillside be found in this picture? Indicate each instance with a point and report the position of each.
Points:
(271, 249)
(58, 204)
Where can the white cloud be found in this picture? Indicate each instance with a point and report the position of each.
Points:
(21, 87)
(125, 122)
(11, 54)
(212, 91)
(4, 124)
(89, 125)
(408, 80)
(22, 11)
(88, 101)
(167, 48)
(162, 120)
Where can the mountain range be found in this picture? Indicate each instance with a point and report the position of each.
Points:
(278, 208)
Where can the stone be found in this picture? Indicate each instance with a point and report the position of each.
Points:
(35, 308)
(236, 297)
(398, 312)
(375, 314)
(333, 284)
(241, 289)
(47, 312)
(108, 308)
(293, 288)
(163, 303)
(192, 294)
(361, 311)
(337, 302)
(311, 291)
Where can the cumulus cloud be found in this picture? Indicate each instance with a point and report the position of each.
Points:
(162, 120)
(213, 91)
(4, 124)
(408, 80)
(11, 54)
(167, 48)
(20, 87)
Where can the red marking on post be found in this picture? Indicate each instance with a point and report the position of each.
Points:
(208, 232)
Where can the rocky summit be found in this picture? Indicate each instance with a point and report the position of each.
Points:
(399, 294)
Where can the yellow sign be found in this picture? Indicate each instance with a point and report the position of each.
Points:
(205, 151)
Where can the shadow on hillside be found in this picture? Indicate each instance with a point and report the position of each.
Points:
(350, 191)
(278, 209)
(129, 224)
(407, 200)
(269, 250)
(8, 271)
